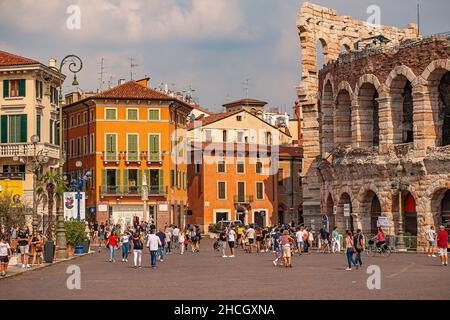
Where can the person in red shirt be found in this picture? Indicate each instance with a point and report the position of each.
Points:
(112, 244)
(442, 243)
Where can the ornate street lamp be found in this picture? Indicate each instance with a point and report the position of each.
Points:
(400, 185)
(74, 65)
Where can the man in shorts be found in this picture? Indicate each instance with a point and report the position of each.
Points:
(431, 237)
(442, 242)
(24, 246)
(251, 237)
(299, 238)
(231, 235)
(5, 255)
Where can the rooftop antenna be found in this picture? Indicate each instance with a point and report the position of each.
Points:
(245, 86)
(101, 73)
(132, 65)
(110, 82)
(418, 19)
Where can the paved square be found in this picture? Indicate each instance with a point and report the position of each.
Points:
(206, 275)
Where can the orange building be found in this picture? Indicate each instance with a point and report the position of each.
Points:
(233, 168)
(133, 141)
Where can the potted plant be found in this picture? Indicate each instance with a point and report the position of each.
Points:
(75, 234)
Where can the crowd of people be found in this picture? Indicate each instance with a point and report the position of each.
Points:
(160, 242)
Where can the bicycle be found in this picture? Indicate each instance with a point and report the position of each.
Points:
(216, 245)
(373, 249)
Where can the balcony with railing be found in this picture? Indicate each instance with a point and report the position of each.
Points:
(130, 191)
(10, 150)
(243, 199)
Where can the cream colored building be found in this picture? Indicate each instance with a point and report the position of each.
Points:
(28, 106)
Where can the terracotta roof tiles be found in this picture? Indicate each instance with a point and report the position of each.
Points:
(9, 59)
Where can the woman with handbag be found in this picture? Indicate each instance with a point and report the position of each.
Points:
(358, 242)
(349, 244)
(36, 243)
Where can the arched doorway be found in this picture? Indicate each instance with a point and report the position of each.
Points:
(410, 215)
(445, 211)
(344, 217)
(343, 119)
(369, 128)
(280, 213)
(370, 208)
(327, 119)
(240, 214)
(444, 110)
(329, 210)
(402, 109)
(375, 212)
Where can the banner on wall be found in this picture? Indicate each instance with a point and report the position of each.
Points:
(14, 188)
(71, 205)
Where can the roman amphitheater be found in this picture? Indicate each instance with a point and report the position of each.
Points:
(376, 125)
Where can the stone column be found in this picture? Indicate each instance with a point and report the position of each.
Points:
(385, 123)
(424, 128)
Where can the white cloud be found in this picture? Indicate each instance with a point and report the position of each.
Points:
(124, 21)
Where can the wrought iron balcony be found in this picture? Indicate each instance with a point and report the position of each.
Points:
(242, 199)
(131, 191)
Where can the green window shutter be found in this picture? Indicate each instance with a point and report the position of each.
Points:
(154, 147)
(5, 88)
(147, 177)
(161, 181)
(22, 88)
(4, 128)
(117, 180)
(51, 131)
(139, 178)
(153, 115)
(125, 181)
(172, 178)
(23, 128)
(38, 126)
(104, 180)
(132, 147)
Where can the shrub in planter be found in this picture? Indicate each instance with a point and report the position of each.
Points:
(75, 232)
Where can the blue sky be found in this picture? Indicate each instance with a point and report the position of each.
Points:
(210, 45)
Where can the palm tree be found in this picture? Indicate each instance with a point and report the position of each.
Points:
(50, 186)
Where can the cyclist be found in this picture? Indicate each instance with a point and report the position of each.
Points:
(380, 237)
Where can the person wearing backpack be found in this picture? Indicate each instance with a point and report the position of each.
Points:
(358, 242)
(138, 245)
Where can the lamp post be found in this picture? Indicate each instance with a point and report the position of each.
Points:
(400, 185)
(74, 65)
(78, 184)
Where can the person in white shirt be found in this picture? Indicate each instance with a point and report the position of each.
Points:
(125, 240)
(431, 237)
(175, 233)
(153, 243)
(299, 239)
(5, 255)
(180, 239)
(231, 235)
(251, 237)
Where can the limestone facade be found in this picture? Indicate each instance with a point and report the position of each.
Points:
(320, 24)
(384, 117)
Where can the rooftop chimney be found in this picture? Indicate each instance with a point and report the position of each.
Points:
(52, 62)
(121, 81)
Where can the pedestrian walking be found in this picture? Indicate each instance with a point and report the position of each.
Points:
(162, 237)
(299, 240)
(350, 250)
(125, 241)
(442, 242)
(138, 245)
(168, 240)
(24, 239)
(231, 236)
(181, 238)
(305, 241)
(112, 243)
(358, 243)
(277, 248)
(154, 245)
(310, 239)
(431, 237)
(5, 255)
(250, 233)
(223, 242)
(335, 241)
(175, 234)
(286, 241)
(36, 243)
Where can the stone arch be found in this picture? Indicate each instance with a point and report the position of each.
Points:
(367, 92)
(322, 50)
(436, 103)
(329, 207)
(343, 223)
(401, 112)
(344, 85)
(410, 213)
(370, 208)
(342, 121)
(400, 71)
(346, 44)
(327, 129)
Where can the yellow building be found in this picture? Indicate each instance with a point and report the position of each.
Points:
(127, 137)
(28, 106)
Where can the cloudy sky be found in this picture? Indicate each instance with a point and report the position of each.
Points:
(211, 46)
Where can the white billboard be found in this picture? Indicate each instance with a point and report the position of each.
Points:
(71, 205)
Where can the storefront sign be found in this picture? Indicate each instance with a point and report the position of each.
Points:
(71, 205)
(384, 222)
(346, 209)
